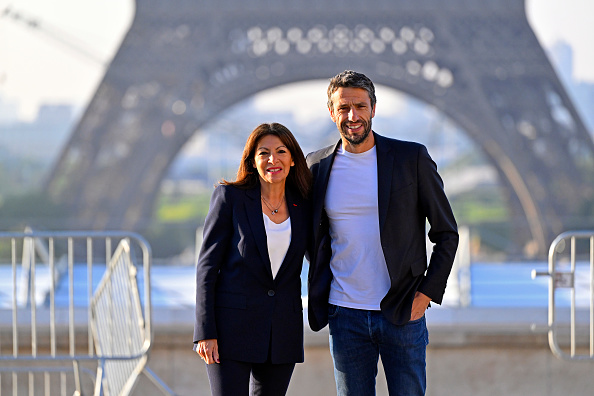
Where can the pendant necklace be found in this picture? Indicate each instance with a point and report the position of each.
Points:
(269, 206)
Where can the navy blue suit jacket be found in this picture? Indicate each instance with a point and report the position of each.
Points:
(237, 300)
(410, 192)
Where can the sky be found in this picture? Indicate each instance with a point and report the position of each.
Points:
(56, 51)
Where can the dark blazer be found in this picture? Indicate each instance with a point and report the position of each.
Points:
(237, 300)
(409, 191)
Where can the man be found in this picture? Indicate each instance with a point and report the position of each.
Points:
(369, 278)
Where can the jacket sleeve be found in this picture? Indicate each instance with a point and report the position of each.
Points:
(443, 230)
(217, 234)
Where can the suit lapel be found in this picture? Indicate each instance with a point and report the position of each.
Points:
(297, 227)
(320, 187)
(253, 209)
(385, 165)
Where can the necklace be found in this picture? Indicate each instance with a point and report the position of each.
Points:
(269, 206)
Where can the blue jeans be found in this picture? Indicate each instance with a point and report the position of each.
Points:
(359, 337)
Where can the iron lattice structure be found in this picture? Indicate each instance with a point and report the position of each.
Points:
(183, 62)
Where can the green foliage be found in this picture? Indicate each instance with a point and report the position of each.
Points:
(173, 227)
(33, 209)
(19, 176)
(486, 212)
(183, 208)
(170, 239)
(484, 205)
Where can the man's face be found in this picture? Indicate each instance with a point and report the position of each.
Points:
(352, 113)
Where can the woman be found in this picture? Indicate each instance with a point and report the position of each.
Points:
(249, 320)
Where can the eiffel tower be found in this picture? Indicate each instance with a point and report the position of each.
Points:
(183, 62)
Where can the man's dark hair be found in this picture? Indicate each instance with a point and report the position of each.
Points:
(351, 79)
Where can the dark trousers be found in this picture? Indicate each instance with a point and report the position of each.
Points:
(233, 378)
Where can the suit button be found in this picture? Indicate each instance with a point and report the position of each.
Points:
(271, 293)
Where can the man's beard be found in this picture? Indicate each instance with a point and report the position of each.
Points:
(358, 139)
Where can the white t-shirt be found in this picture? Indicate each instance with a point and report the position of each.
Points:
(360, 275)
(278, 238)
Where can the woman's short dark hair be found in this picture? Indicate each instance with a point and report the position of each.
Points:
(351, 79)
(247, 176)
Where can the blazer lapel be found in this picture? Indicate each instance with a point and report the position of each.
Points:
(253, 209)
(319, 189)
(385, 165)
(297, 228)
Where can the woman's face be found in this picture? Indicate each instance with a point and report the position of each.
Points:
(272, 159)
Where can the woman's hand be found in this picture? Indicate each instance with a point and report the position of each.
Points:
(208, 351)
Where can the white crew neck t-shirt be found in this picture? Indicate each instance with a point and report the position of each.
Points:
(360, 275)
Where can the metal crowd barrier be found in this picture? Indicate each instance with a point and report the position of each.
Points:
(571, 283)
(75, 313)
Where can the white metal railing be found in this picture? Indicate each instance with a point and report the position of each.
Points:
(89, 314)
(571, 277)
(460, 275)
(459, 281)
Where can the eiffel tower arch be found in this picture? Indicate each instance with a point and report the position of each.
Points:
(183, 62)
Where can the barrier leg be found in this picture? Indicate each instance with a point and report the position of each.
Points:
(157, 381)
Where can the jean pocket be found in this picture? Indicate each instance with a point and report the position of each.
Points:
(332, 310)
(415, 333)
(416, 321)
